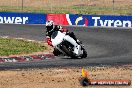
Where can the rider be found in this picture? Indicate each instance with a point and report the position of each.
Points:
(50, 28)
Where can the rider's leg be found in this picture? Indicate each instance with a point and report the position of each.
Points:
(71, 34)
(73, 42)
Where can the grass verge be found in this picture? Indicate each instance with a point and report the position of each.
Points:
(70, 9)
(11, 46)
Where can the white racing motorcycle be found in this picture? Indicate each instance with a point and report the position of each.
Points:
(63, 44)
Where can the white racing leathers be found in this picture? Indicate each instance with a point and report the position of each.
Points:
(73, 42)
(57, 37)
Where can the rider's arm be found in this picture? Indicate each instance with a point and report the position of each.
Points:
(48, 40)
(60, 28)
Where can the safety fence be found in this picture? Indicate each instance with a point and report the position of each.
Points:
(120, 7)
(66, 19)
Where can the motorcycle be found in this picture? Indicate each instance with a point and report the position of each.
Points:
(64, 47)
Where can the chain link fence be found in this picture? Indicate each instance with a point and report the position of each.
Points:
(114, 7)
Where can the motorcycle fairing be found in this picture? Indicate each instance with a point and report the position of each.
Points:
(57, 38)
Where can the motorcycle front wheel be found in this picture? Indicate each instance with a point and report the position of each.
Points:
(84, 53)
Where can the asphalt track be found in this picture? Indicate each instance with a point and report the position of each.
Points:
(104, 46)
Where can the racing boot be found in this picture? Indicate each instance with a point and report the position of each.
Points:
(77, 50)
(79, 42)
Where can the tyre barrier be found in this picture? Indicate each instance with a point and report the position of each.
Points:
(27, 58)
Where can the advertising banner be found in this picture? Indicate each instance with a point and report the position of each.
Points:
(22, 18)
(66, 19)
(91, 20)
(109, 21)
(59, 19)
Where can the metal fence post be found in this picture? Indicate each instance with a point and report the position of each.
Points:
(22, 5)
(51, 7)
(113, 5)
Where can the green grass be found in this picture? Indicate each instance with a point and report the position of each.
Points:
(71, 9)
(10, 46)
(101, 10)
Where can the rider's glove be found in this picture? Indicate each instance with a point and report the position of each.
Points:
(49, 41)
(64, 30)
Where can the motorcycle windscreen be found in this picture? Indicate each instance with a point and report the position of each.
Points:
(57, 38)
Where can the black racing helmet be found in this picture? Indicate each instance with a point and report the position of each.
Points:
(50, 26)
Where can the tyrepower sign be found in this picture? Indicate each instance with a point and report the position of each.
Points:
(22, 18)
(110, 21)
(14, 20)
(91, 20)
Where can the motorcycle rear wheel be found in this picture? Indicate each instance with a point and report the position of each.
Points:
(56, 52)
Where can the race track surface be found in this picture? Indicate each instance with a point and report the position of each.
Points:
(104, 46)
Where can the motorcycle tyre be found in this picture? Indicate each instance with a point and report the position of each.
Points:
(84, 53)
(56, 52)
(69, 53)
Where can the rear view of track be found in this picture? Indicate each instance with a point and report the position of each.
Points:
(104, 46)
